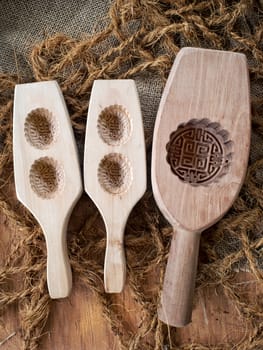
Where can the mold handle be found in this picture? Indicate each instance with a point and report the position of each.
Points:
(179, 280)
(59, 276)
(115, 262)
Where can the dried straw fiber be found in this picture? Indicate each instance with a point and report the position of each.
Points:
(139, 40)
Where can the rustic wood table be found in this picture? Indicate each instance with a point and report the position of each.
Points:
(77, 322)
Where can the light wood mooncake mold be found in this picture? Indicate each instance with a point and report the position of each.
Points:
(114, 166)
(199, 160)
(47, 173)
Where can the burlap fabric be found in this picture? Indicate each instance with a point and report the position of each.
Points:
(139, 40)
(24, 23)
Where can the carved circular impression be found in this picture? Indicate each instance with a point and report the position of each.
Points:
(115, 173)
(114, 125)
(46, 177)
(40, 128)
(199, 152)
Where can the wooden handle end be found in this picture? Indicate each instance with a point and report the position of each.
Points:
(59, 275)
(114, 267)
(168, 316)
(179, 280)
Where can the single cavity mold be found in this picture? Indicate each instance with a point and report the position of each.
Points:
(115, 173)
(114, 125)
(46, 177)
(199, 152)
(40, 128)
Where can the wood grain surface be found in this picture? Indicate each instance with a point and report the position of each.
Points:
(211, 85)
(199, 160)
(47, 172)
(77, 322)
(114, 166)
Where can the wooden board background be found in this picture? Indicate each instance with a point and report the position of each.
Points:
(77, 322)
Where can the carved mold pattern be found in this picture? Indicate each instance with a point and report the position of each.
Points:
(114, 125)
(46, 177)
(199, 152)
(40, 128)
(115, 173)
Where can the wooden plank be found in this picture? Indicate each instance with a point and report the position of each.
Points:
(47, 172)
(199, 160)
(78, 323)
(114, 166)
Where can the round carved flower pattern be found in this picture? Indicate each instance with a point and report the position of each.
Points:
(199, 152)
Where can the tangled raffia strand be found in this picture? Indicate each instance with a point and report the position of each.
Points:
(141, 38)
